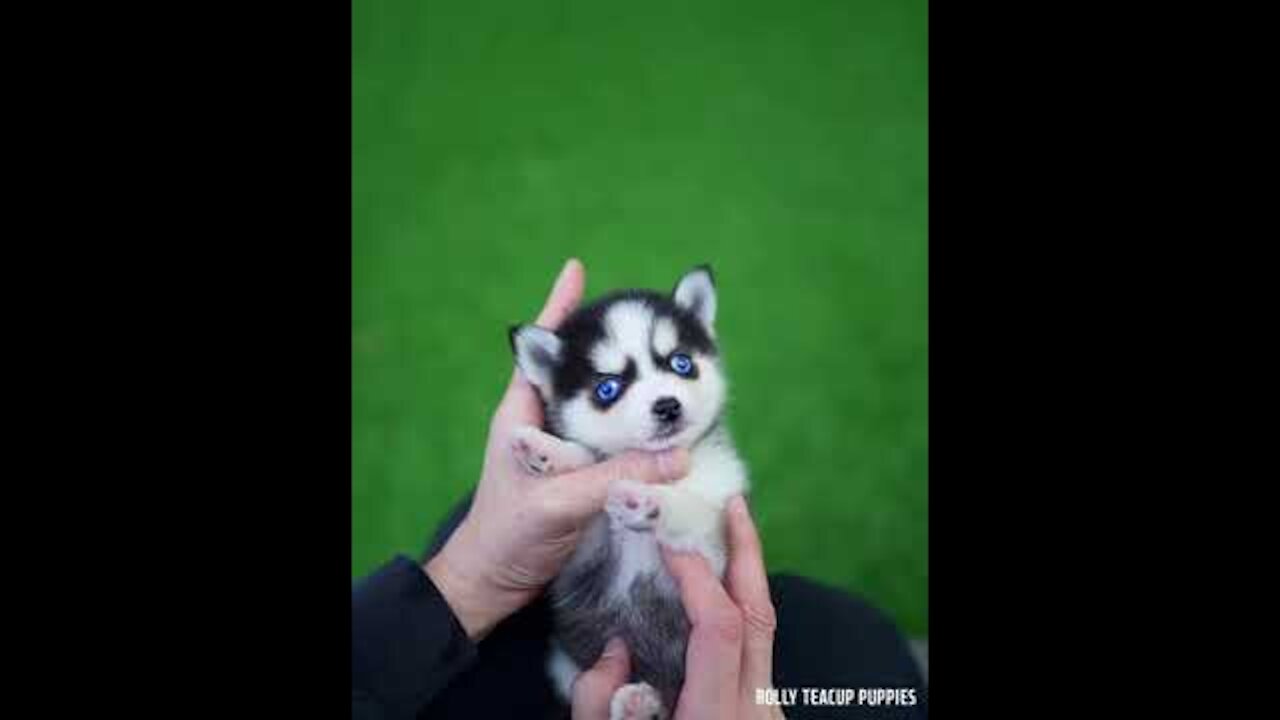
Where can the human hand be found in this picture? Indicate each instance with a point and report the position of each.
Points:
(730, 652)
(596, 693)
(522, 527)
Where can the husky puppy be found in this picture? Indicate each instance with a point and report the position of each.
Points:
(635, 369)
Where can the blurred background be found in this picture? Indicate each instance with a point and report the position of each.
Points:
(784, 143)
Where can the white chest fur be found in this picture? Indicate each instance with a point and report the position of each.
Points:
(690, 517)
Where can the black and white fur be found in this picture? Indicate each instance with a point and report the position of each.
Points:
(615, 584)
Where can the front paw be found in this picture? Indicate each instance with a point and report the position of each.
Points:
(538, 453)
(637, 701)
(634, 506)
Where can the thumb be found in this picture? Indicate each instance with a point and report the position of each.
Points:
(580, 494)
(593, 690)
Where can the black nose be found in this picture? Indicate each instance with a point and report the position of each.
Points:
(667, 409)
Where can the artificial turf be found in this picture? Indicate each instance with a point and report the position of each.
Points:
(784, 143)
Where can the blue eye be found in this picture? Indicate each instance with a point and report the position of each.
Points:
(681, 363)
(608, 390)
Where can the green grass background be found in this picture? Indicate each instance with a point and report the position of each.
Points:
(785, 143)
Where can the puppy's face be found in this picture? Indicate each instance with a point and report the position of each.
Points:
(633, 370)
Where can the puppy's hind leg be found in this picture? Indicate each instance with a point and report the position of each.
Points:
(637, 701)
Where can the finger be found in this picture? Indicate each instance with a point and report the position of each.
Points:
(520, 401)
(713, 658)
(749, 587)
(577, 496)
(565, 295)
(593, 690)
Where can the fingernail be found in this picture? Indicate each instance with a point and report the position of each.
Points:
(568, 265)
(664, 463)
(564, 270)
(671, 463)
(738, 505)
(613, 648)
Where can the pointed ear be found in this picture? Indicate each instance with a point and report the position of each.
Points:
(696, 292)
(537, 352)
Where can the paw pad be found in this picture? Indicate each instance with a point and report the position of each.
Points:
(637, 701)
(535, 463)
(634, 507)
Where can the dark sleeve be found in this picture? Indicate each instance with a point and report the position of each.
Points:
(406, 644)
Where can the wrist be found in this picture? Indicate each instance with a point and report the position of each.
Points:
(466, 592)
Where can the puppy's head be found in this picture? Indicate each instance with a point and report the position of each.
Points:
(633, 370)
